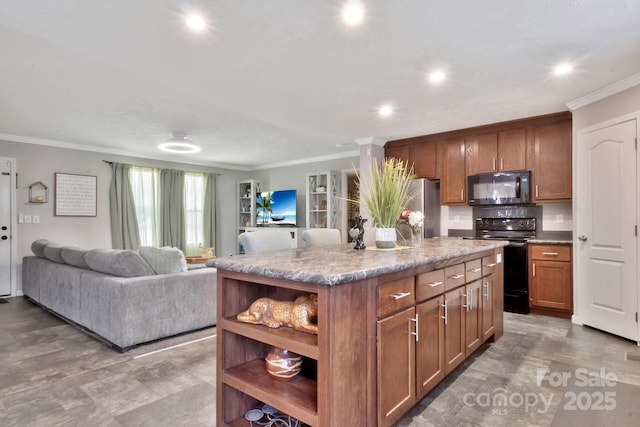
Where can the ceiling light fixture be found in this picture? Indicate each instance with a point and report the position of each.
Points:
(385, 111)
(353, 13)
(437, 77)
(563, 69)
(196, 22)
(179, 143)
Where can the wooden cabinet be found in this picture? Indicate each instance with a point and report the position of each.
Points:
(401, 153)
(423, 157)
(482, 153)
(550, 279)
(430, 345)
(453, 176)
(473, 316)
(454, 327)
(551, 172)
(512, 150)
(396, 374)
(488, 307)
(497, 151)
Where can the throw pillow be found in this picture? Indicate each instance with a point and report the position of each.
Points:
(118, 262)
(37, 247)
(74, 256)
(164, 260)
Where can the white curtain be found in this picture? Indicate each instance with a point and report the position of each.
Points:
(194, 209)
(144, 185)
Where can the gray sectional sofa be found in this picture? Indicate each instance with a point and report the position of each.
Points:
(118, 295)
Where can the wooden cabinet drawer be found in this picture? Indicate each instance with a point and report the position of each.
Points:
(395, 296)
(488, 265)
(429, 285)
(550, 252)
(473, 270)
(454, 277)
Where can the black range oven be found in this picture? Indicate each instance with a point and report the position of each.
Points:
(516, 276)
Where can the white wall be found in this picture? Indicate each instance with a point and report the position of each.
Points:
(40, 163)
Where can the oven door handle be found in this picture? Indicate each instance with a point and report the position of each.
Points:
(517, 244)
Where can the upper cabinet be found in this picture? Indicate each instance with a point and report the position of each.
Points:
(453, 178)
(541, 144)
(423, 157)
(551, 172)
(497, 151)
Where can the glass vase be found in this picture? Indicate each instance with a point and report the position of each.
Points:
(416, 236)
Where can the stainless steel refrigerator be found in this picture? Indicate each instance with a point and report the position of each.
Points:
(427, 201)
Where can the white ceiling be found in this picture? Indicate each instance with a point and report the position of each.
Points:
(280, 81)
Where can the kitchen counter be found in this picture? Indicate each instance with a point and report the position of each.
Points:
(553, 238)
(334, 265)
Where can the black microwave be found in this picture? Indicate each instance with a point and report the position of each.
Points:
(502, 188)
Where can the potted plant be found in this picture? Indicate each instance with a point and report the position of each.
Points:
(386, 194)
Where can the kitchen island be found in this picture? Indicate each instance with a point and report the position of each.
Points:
(391, 325)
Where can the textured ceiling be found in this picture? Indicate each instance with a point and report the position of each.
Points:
(281, 81)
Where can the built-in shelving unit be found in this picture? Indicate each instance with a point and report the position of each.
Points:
(322, 209)
(246, 196)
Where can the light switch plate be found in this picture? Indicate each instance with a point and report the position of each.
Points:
(27, 219)
(498, 258)
(36, 219)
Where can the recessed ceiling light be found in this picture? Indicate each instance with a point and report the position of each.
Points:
(563, 69)
(196, 22)
(437, 77)
(179, 143)
(353, 13)
(385, 111)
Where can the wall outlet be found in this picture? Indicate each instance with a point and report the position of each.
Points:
(559, 218)
(456, 218)
(36, 219)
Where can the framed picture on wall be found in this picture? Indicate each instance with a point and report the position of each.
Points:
(76, 195)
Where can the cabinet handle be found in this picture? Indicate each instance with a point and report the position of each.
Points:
(550, 253)
(501, 163)
(493, 264)
(415, 320)
(434, 284)
(445, 312)
(485, 292)
(400, 295)
(456, 276)
(494, 164)
(474, 270)
(466, 304)
(534, 269)
(536, 191)
(462, 194)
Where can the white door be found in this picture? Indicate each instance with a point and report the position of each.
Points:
(5, 227)
(606, 227)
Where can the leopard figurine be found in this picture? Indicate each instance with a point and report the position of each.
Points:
(299, 314)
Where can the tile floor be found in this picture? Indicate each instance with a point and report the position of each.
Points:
(543, 372)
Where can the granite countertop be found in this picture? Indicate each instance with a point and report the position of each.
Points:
(553, 238)
(334, 265)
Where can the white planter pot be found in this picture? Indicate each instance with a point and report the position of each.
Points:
(386, 238)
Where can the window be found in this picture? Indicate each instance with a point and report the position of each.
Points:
(194, 211)
(145, 188)
(144, 184)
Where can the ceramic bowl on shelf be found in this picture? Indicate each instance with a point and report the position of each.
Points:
(282, 364)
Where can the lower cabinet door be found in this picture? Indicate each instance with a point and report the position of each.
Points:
(396, 366)
(473, 316)
(488, 311)
(430, 345)
(454, 329)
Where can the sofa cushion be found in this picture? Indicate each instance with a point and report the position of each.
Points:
(164, 260)
(74, 255)
(118, 262)
(53, 252)
(37, 247)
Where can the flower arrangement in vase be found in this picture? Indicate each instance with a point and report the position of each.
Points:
(385, 194)
(415, 220)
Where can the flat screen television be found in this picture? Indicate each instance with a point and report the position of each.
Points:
(276, 208)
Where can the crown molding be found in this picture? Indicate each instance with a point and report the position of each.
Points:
(605, 92)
